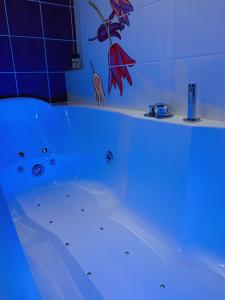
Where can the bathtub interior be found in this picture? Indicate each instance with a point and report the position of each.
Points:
(148, 224)
(16, 281)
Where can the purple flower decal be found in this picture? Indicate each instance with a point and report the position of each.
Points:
(108, 29)
(121, 8)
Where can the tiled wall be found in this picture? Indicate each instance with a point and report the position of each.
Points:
(37, 39)
(174, 42)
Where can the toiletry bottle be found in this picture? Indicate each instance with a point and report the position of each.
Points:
(76, 61)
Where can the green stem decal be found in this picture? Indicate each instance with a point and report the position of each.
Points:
(104, 21)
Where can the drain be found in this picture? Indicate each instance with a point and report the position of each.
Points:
(67, 195)
(126, 252)
(101, 228)
(20, 169)
(38, 170)
(21, 154)
(82, 210)
(162, 286)
(109, 157)
(67, 244)
(38, 204)
(89, 274)
(50, 222)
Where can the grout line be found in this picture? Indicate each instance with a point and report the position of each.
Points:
(33, 72)
(76, 11)
(172, 59)
(11, 48)
(153, 2)
(37, 37)
(45, 51)
(50, 3)
(10, 36)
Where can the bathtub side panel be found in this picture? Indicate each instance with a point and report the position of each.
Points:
(205, 201)
(157, 174)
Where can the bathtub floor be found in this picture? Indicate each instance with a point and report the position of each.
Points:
(82, 243)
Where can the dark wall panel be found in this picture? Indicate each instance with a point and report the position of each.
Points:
(37, 40)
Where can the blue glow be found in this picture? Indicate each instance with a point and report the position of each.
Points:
(16, 281)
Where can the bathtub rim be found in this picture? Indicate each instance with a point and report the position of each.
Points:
(132, 113)
(139, 114)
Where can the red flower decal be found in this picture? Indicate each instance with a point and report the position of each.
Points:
(119, 61)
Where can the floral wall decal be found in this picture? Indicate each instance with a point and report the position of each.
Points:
(121, 8)
(118, 62)
(98, 87)
(118, 59)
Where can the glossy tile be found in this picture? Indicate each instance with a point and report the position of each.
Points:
(3, 24)
(58, 87)
(7, 86)
(33, 85)
(60, 2)
(29, 55)
(6, 64)
(36, 30)
(25, 19)
(57, 21)
(193, 30)
(59, 55)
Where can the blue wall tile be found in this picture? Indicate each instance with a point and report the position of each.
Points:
(7, 86)
(59, 55)
(61, 2)
(33, 85)
(3, 26)
(58, 86)
(6, 64)
(26, 20)
(29, 54)
(53, 17)
(38, 48)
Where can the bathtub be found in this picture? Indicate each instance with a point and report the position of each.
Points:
(102, 203)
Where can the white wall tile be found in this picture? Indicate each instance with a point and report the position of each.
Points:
(175, 42)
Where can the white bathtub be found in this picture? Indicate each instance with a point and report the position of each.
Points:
(148, 225)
